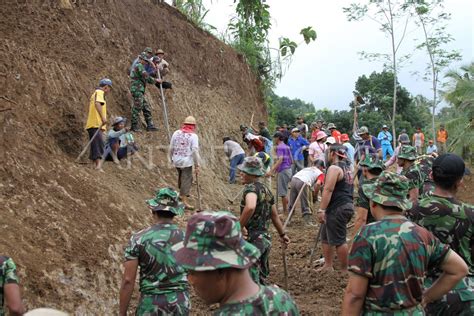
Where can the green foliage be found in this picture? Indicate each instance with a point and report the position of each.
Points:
(308, 34)
(196, 12)
(287, 44)
(459, 118)
(283, 110)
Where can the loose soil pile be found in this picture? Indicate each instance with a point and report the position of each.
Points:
(65, 224)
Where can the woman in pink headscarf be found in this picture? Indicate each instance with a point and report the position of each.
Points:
(317, 148)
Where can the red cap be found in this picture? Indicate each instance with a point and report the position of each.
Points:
(344, 137)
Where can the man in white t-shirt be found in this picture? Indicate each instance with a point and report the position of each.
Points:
(306, 177)
(184, 154)
(236, 155)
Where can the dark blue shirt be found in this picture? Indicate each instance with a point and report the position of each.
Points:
(296, 146)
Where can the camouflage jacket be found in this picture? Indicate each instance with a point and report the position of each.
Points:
(363, 201)
(393, 254)
(7, 275)
(159, 273)
(425, 163)
(416, 177)
(269, 300)
(260, 221)
(453, 223)
(139, 77)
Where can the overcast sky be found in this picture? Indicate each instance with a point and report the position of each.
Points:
(324, 72)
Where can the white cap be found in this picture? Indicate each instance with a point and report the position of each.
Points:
(330, 140)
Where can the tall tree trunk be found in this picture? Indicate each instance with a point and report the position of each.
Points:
(394, 57)
(434, 106)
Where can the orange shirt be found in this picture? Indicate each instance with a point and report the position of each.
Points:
(442, 136)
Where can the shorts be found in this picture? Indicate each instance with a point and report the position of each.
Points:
(185, 180)
(97, 145)
(284, 178)
(334, 230)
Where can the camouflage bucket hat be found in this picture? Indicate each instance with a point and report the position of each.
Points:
(253, 166)
(213, 241)
(166, 199)
(390, 189)
(407, 152)
(372, 162)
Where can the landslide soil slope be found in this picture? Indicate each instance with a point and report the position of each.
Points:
(63, 223)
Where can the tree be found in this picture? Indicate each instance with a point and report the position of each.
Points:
(432, 19)
(460, 116)
(392, 19)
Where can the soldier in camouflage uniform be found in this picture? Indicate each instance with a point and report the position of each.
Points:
(139, 77)
(218, 258)
(453, 223)
(372, 166)
(257, 208)
(390, 257)
(406, 159)
(426, 163)
(9, 289)
(163, 283)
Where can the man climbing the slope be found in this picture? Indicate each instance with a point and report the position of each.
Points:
(385, 138)
(97, 120)
(139, 77)
(453, 223)
(218, 260)
(184, 154)
(389, 258)
(257, 208)
(163, 282)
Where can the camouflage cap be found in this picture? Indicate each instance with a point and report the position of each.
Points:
(144, 57)
(331, 125)
(390, 189)
(363, 130)
(407, 152)
(148, 50)
(252, 166)
(372, 162)
(213, 241)
(166, 199)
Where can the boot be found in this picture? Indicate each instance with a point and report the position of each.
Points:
(308, 221)
(185, 201)
(135, 128)
(150, 127)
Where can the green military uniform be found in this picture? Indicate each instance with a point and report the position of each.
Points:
(7, 276)
(269, 300)
(362, 201)
(214, 241)
(138, 80)
(394, 253)
(257, 227)
(163, 283)
(426, 163)
(414, 172)
(453, 223)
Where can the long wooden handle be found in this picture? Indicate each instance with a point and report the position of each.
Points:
(294, 206)
(88, 144)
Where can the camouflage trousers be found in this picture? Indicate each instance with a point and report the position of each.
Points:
(414, 311)
(261, 269)
(140, 104)
(176, 303)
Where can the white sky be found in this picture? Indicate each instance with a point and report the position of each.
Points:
(325, 71)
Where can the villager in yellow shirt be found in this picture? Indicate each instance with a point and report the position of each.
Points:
(97, 119)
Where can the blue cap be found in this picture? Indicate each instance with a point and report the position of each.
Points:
(105, 82)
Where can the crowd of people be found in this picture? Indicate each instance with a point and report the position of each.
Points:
(412, 248)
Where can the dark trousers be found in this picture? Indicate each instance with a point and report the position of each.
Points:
(185, 180)
(97, 145)
(234, 162)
